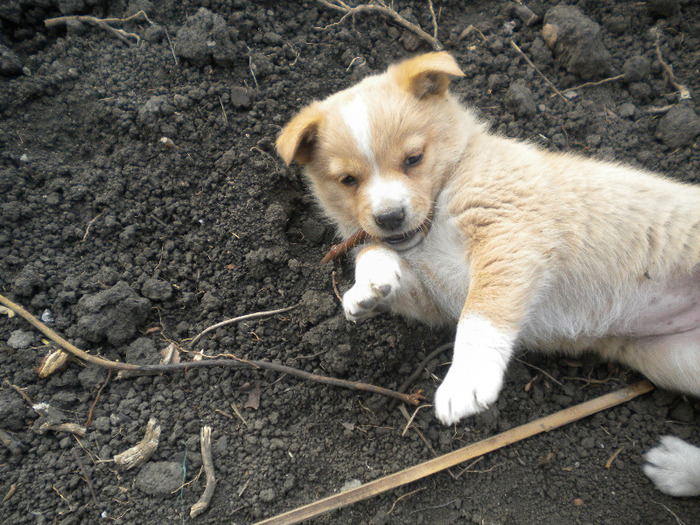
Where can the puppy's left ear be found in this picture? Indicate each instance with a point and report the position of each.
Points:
(297, 140)
(427, 75)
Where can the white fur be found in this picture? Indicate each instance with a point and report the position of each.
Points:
(386, 195)
(480, 359)
(674, 467)
(356, 118)
(442, 253)
(377, 279)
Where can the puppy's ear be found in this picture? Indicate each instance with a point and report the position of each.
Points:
(298, 138)
(427, 75)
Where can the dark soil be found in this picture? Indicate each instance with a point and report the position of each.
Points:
(123, 243)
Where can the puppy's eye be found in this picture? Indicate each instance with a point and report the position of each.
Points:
(348, 180)
(413, 160)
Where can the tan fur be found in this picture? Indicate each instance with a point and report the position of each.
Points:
(562, 250)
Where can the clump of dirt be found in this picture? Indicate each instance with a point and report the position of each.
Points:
(142, 201)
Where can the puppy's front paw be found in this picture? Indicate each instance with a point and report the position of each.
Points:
(674, 467)
(467, 391)
(377, 278)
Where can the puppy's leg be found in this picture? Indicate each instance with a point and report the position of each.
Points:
(671, 361)
(481, 355)
(674, 467)
(378, 276)
(498, 297)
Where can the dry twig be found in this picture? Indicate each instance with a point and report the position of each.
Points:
(338, 250)
(386, 11)
(207, 461)
(238, 319)
(596, 83)
(97, 397)
(234, 362)
(533, 66)
(104, 23)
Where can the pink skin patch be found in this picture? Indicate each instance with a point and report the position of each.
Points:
(672, 310)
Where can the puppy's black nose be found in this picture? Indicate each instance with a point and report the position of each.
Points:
(391, 220)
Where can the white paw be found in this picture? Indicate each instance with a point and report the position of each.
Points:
(377, 277)
(475, 378)
(466, 392)
(674, 467)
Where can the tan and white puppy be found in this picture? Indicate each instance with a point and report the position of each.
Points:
(516, 245)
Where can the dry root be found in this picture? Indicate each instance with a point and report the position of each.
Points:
(208, 463)
(140, 453)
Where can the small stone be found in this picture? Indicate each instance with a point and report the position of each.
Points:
(350, 484)
(313, 230)
(113, 314)
(142, 351)
(159, 478)
(157, 290)
(520, 100)
(627, 110)
(240, 97)
(593, 140)
(267, 496)
(20, 339)
(210, 302)
(206, 37)
(679, 126)
(636, 69)
(577, 41)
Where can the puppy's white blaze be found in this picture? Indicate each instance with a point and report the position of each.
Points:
(356, 118)
(386, 195)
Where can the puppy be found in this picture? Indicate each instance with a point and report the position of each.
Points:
(513, 244)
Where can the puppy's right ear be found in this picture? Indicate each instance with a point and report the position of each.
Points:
(297, 140)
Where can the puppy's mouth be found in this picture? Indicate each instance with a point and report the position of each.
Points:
(403, 241)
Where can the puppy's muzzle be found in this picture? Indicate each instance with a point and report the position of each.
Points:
(391, 220)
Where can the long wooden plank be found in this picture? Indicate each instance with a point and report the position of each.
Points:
(422, 470)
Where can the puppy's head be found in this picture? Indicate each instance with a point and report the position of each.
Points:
(377, 154)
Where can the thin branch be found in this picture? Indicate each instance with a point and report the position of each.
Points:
(104, 23)
(383, 10)
(533, 66)
(433, 18)
(238, 319)
(597, 83)
(234, 362)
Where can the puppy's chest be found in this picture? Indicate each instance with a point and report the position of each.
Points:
(440, 262)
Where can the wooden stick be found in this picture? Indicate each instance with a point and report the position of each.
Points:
(338, 250)
(422, 470)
